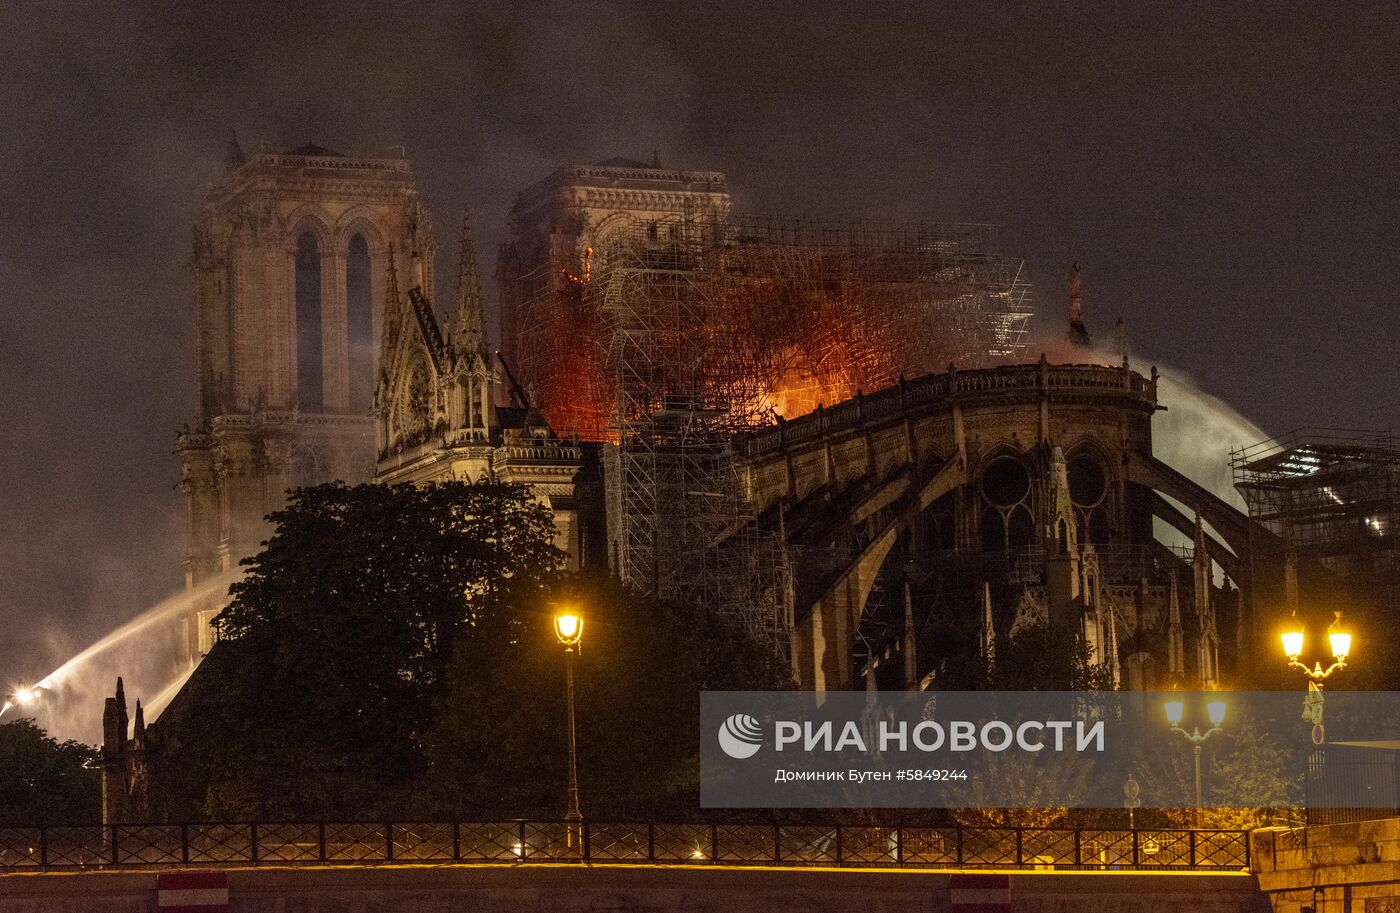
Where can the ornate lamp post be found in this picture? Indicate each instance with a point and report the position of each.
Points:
(568, 627)
(1175, 709)
(1340, 642)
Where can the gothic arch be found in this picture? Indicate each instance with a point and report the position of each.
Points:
(361, 220)
(308, 308)
(1098, 516)
(824, 636)
(620, 224)
(1004, 485)
(310, 218)
(361, 268)
(412, 413)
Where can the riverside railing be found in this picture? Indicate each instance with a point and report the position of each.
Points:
(619, 843)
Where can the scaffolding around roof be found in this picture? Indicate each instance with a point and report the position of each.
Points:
(810, 312)
(1331, 495)
(679, 524)
(671, 335)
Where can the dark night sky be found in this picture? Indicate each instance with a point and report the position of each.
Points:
(1227, 178)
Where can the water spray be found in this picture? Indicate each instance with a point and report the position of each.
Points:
(166, 610)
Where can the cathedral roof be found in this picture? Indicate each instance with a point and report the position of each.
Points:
(618, 161)
(313, 149)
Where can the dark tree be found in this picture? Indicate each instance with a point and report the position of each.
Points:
(1046, 658)
(391, 654)
(45, 781)
(337, 644)
(1038, 657)
(501, 747)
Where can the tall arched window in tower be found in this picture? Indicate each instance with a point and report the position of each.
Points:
(308, 308)
(359, 321)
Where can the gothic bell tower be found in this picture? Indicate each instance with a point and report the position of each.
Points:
(290, 254)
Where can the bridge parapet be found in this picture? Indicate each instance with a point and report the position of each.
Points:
(622, 843)
(1354, 866)
(656, 889)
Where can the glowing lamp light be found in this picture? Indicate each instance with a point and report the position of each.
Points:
(1341, 643)
(1175, 711)
(1216, 709)
(1293, 643)
(568, 627)
(24, 696)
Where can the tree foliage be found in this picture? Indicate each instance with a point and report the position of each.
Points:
(501, 746)
(391, 653)
(1037, 657)
(1042, 657)
(45, 781)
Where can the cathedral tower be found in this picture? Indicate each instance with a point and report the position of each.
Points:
(290, 254)
(559, 229)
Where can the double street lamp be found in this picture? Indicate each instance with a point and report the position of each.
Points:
(1340, 642)
(568, 627)
(1176, 710)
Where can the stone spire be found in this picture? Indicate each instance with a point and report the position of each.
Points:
(1078, 333)
(1176, 651)
(1202, 581)
(988, 632)
(114, 721)
(393, 313)
(469, 321)
(121, 707)
(1200, 562)
(1061, 529)
(1111, 646)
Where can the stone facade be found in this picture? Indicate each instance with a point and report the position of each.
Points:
(289, 256)
(558, 227)
(1337, 867)
(124, 775)
(436, 416)
(941, 515)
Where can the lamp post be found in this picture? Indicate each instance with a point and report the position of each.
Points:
(568, 627)
(1340, 642)
(1175, 709)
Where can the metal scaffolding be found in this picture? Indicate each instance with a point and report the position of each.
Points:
(1332, 496)
(678, 522)
(675, 334)
(810, 312)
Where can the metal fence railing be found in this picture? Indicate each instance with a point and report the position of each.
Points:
(527, 841)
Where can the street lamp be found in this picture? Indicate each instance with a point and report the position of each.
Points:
(1338, 639)
(568, 627)
(1175, 709)
(1340, 642)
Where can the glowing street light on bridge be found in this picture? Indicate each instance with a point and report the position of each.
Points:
(1339, 640)
(1176, 712)
(568, 627)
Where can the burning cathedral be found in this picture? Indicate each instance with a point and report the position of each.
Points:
(837, 433)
